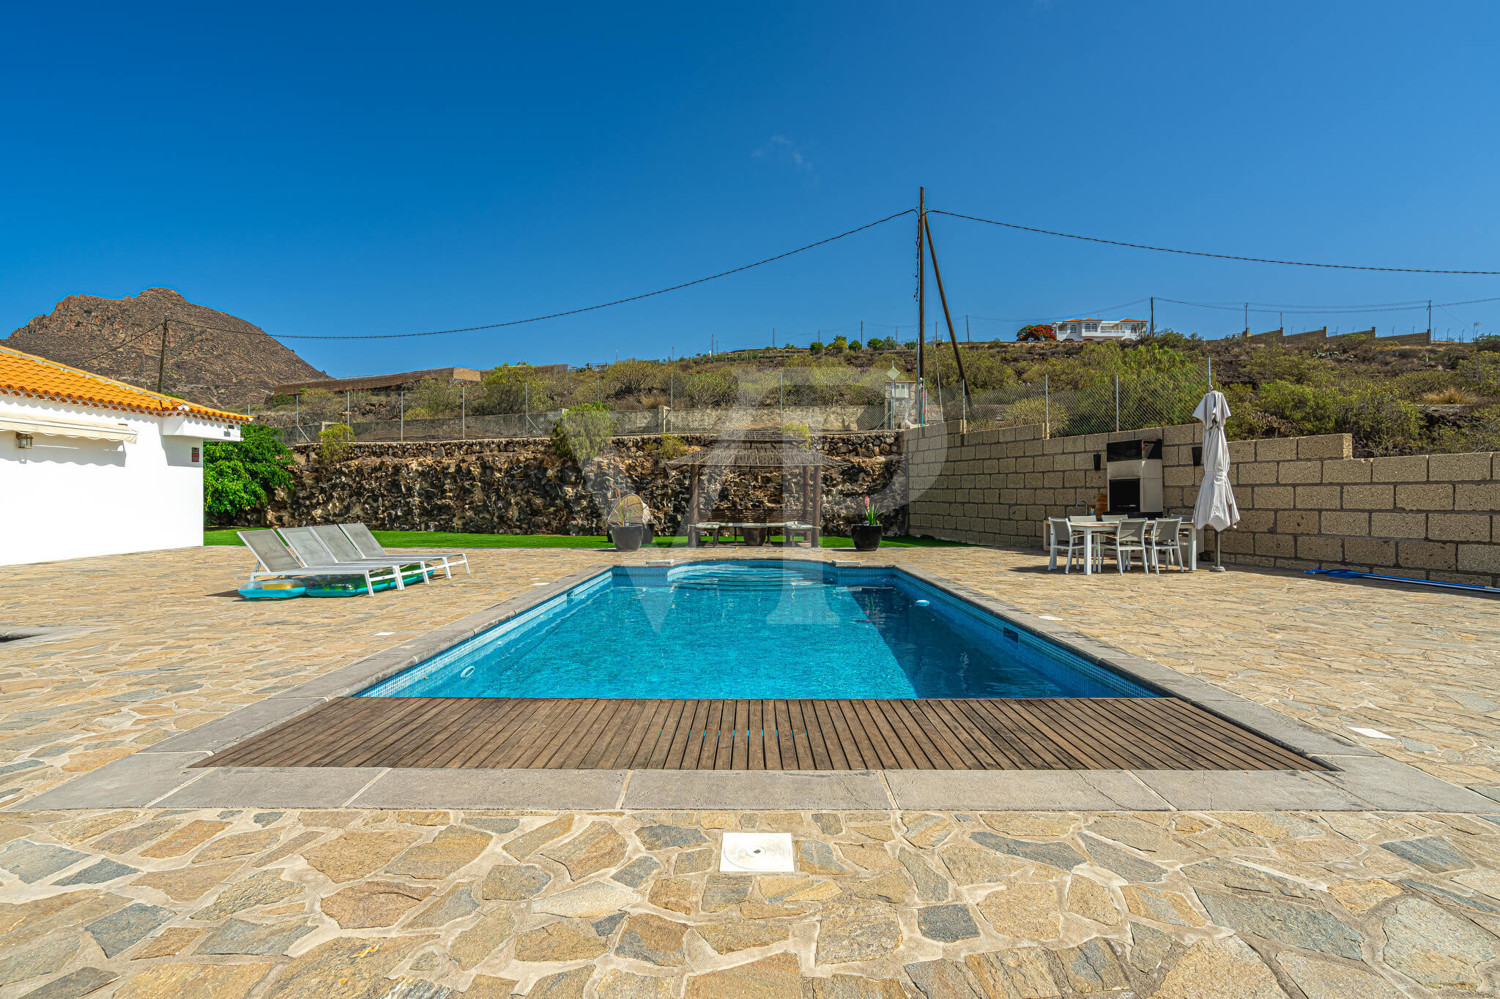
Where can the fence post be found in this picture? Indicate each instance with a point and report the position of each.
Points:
(1046, 406)
(1117, 402)
(1210, 374)
(403, 414)
(463, 412)
(964, 402)
(781, 378)
(671, 392)
(526, 402)
(348, 410)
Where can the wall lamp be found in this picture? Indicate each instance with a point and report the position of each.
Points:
(23, 440)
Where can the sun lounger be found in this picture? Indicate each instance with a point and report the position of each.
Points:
(313, 552)
(277, 560)
(365, 543)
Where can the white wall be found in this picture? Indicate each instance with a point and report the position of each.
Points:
(66, 497)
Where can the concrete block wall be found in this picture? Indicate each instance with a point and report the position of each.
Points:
(1429, 516)
(998, 487)
(1304, 501)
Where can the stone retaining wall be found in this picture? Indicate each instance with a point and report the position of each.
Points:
(1304, 502)
(520, 486)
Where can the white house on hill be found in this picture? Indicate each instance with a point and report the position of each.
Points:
(94, 466)
(1099, 329)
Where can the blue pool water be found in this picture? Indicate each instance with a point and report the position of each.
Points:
(756, 629)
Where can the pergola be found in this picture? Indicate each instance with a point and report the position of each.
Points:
(762, 450)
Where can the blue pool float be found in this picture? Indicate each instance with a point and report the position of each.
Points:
(272, 589)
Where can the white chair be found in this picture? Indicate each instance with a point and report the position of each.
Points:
(1057, 530)
(1129, 539)
(1166, 539)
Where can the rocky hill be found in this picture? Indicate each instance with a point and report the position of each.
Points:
(212, 357)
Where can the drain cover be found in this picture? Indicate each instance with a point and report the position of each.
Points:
(757, 853)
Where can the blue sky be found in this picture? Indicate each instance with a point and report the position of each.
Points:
(382, 168)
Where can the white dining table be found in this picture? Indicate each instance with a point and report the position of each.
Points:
(1093, 532)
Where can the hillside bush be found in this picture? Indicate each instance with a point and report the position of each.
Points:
(239, 477)
(801, 431)
(671, 447)
(335, 443)
(582, 432)
(1305, 409)
(710, 388)
(432, 398)
(1482, 371)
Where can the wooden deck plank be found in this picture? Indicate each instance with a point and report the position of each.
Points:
(756, 737)
(781, 734)
(669, 725)
(833, 736)
(629, 732)
(739, 757)
(862, 741)
(504, 752)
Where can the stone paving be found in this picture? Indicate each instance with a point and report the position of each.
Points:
(374, 903)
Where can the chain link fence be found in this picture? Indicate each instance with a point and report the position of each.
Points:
(1094, 402)
(1101, 404)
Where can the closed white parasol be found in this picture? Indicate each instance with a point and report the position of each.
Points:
(1215, 507)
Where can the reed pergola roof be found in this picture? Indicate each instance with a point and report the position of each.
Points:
(757, 449)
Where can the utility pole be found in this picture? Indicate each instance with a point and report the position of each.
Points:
(921, 295)
(161, 357)
(773, 338)
(1247, 318)
(967, 337)
(1429, 319)
(1153, 313)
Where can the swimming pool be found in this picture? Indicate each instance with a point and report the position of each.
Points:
(756, 629)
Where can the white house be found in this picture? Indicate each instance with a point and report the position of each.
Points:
(94, 466)
(1099, 329)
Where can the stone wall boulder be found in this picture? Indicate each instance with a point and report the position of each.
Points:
(520, 486)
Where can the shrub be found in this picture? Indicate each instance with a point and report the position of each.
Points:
(319, 404)
(816, 347)
(801, 431)
(710, 388)
(1488, 342)
(432, 397)
(671, 447)
(1379, 418)
(238, 478)
(335, 443)
(1482, 371)
(631, 377)
(910, 345)
(1306, 409)
(583, 431)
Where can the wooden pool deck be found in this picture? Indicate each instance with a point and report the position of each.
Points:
(1157, 733)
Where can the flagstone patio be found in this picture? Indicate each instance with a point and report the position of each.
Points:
(246, 901)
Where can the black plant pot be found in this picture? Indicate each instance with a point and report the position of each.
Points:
(866, 537)
(627, 537)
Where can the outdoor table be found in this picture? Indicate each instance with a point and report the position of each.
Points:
(791, 530)
(1093, 532)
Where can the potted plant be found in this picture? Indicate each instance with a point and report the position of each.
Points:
(867, 535)
(627, 524)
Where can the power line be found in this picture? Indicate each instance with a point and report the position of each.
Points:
(1262, 307)
(1200, 253)
(601, 305)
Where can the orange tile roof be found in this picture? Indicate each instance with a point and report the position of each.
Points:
(29, 375)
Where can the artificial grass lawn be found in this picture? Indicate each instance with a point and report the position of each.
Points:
(432, 540)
